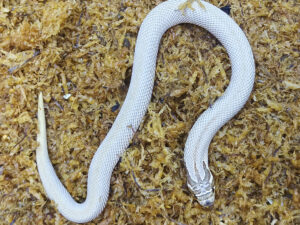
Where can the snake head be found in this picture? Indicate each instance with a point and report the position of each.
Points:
(203, 189)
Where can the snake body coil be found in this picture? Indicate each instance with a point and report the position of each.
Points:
(200, 179)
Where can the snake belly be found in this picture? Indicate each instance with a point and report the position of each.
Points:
(200, 180)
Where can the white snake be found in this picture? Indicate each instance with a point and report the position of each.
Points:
(200, 180)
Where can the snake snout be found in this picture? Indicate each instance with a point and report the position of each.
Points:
(208, 202)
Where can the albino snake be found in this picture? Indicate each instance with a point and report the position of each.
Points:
(200, 180)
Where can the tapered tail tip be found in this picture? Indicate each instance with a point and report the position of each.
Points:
(40, 102)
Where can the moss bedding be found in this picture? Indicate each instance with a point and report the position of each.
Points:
(80, 55)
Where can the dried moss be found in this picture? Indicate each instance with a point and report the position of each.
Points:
(80, 55)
